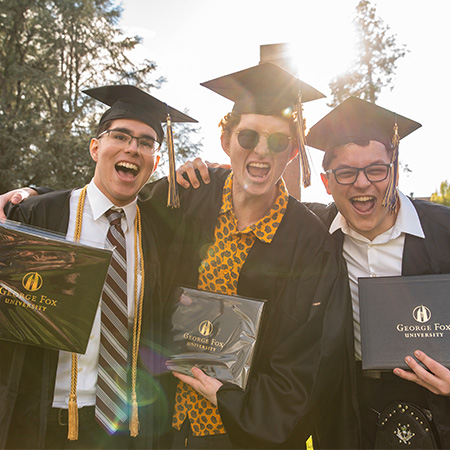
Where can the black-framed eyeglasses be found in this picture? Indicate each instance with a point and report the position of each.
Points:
(276, 142)
(120, 139)
(373, 172)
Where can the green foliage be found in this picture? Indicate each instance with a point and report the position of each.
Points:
(376, 60)
(444, 194)
(49, 51)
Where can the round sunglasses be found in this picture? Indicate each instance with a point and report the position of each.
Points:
(276, 142)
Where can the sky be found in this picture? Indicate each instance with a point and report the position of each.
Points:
(193, 41)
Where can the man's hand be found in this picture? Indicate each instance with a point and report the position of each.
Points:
(189, 168)
(15, 196)
(202, 383)
(438, 381)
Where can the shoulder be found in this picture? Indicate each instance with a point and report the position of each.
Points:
(303, 229)
(326, 213)
(433, 214)
(42, 210)
(53, 199)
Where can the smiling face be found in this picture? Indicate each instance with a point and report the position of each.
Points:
(360, 202)
(121, 173)
(257, 171)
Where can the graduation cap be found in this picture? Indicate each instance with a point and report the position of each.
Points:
(268, 89)
(358, 120)
(130, 102)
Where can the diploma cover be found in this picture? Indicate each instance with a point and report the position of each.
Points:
(214, 332)
(49, 287)
(403, 314)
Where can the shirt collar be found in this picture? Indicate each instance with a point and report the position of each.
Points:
(275, 215)
(407, 222)
(100, 204)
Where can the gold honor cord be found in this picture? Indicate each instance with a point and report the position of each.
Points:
(137, 326)
(137, 322)
(304, 164)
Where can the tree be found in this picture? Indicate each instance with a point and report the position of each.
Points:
(444, 197)
(376, 60)
(49, 51)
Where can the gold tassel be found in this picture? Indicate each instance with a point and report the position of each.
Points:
(173, 200)
(72, 433)
(134, 420)
(303, 159)
(390, 199)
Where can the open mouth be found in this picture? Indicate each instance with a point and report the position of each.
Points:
(258, 169)
(363, 203)
(127, 170)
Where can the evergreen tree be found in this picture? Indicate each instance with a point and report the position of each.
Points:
(376, 60)
(50, 51)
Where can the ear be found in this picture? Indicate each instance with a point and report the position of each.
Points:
(93, 149)
(294, 153)
(158, 157)
(324, 178)
(225, 141)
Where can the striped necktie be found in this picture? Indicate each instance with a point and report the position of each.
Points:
(111, 406)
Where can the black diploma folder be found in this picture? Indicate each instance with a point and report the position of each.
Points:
(402, 314)
(214, 332)
(49, 287)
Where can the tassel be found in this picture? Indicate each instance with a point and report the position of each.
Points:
(303, 159)
(390, 199)
(72, 433)
(173, 200)
(134, 420)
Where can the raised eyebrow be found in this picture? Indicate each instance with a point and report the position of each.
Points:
(128, 131)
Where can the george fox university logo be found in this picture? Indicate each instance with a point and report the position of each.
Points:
(32, 281)
(421, 314)
(205, 328)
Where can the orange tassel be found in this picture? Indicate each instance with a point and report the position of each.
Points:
(173, 200)
(390, 199)
(303, 158)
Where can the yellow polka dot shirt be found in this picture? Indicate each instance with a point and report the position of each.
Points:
(219, 272)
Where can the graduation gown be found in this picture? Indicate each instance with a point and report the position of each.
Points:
(420, 257)
(300, 380)
(27, 373)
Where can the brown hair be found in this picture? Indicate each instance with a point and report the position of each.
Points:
(330, 154)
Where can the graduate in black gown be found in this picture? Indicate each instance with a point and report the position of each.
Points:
(381, 232)
(300, 382)
(32, 415)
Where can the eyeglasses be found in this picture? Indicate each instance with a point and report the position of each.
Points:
(348, 175)
(120, 140)
(276, 142)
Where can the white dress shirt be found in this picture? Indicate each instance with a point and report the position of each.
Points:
(94, 229)
(381, 257)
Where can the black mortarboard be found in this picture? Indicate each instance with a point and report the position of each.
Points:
(357, 120)
(264, 89)
(130, 102)
(268, 89)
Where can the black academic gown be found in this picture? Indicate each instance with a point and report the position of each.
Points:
(300, 382)
(27, 373)
(420, 257)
